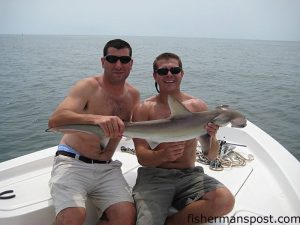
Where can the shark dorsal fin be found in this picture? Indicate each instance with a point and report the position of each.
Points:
(177, 108)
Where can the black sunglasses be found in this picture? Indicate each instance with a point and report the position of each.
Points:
(114, 59)
(165, 71)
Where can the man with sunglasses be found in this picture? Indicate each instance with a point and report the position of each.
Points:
(168, 176)
(83, 166)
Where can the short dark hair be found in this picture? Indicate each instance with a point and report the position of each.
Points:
(166, 55)
(118, 44)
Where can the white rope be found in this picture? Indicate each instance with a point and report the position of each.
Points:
(227, 157)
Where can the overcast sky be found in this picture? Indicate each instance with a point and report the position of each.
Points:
(242, 19)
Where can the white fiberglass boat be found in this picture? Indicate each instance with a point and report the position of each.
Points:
(267, 188)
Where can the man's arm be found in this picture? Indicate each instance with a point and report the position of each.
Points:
(208, 142)
(71, 110)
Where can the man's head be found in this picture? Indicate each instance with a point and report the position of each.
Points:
(166, 56)
(117, 44)
(116, 61)
(167, 72)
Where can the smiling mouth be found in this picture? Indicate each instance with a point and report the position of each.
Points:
(118, 72)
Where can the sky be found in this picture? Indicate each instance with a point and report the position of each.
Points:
(233, 19)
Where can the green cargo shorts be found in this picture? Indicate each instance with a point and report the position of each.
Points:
(158, 189)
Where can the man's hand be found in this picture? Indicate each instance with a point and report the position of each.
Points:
(211, 129)
(172, 150)
(112, 126)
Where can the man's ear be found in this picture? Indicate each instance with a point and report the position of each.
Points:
(102, 61)
(155, 83)
(154, 76)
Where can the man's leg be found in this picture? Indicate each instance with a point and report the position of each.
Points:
(67, 186)
(71, 216)
(153, 195)
(215, 203)
(120, 213)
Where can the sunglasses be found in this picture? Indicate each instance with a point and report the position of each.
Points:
(165, 71)
(114, 59)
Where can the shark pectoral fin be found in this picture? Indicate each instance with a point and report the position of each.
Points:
(109, 144)
(177, 108)
(152, 144)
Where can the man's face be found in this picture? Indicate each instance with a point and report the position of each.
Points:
(168, 75)
(117, 69)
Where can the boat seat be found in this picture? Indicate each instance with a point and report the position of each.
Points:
(31, 194)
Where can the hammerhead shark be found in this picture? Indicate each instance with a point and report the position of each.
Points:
(180, 126)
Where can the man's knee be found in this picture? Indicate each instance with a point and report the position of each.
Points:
(122, 213)
(70, 216)
(223, 201)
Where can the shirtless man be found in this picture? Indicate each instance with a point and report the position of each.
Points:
(83, 165)
(168, 176)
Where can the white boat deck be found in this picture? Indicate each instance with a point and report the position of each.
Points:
(266, 186)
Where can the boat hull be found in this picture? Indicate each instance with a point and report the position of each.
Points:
(268, 185)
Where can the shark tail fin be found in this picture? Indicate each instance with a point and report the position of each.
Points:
(223, 107)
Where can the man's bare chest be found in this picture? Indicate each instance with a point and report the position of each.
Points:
(111, 107)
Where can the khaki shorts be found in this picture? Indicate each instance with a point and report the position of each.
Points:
(72, 181)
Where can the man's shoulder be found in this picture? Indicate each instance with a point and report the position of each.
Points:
(193, 103)
(132, 89)
(149, 102)
(145, 107)
(93, 81)
(84, 87)
(145, 104)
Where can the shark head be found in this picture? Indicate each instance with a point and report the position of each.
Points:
(227, 115)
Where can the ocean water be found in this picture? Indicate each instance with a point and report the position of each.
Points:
(259, 78)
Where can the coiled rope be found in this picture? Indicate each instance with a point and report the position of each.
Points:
(226, 158)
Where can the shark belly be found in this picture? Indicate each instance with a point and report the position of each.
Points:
(167, 131)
